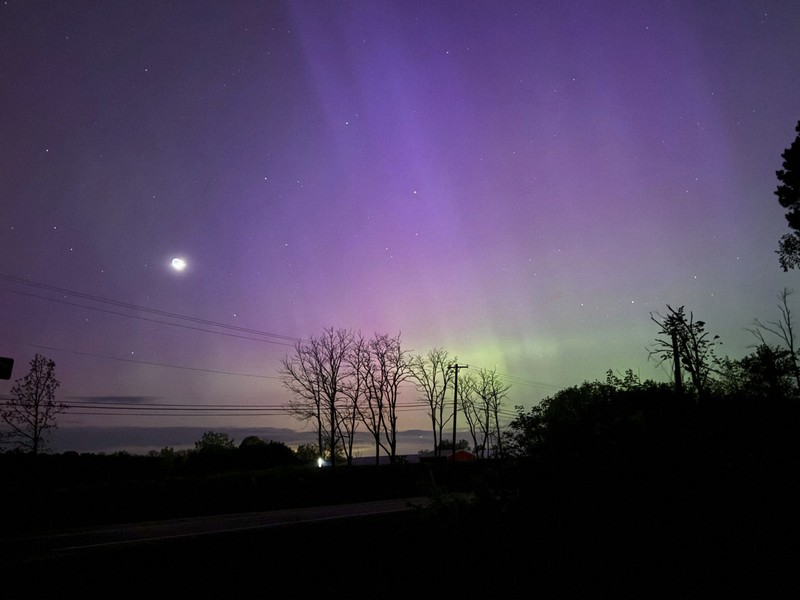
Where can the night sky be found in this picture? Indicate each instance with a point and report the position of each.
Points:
(520, 183)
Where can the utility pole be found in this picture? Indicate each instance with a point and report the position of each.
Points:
(455, 367)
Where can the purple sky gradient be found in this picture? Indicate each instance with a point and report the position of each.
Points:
(520, 183)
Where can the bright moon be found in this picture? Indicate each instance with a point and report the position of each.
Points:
(178, 264)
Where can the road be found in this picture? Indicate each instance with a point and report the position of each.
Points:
(52, 545)
(297, 553)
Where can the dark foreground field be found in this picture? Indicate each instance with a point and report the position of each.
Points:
(528, 531)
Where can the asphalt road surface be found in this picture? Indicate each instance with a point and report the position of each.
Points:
(277, 554)
(25, 549)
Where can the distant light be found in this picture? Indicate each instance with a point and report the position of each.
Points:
(320, 462)
(178, 264)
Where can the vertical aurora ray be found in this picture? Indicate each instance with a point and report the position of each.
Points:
(519, 183)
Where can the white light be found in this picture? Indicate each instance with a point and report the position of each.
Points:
(178, 264)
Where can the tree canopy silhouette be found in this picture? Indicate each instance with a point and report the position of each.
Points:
(215, 441)
(788, 193)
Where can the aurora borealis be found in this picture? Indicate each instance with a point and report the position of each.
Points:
(520, 183)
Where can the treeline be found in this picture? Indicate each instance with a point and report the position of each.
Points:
(686, 488)
(214, 452)
(743, 409)
(628, 421)
(629, 489)
(53, 491)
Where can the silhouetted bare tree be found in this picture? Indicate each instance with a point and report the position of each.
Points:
(467, 402)
(386, 368)
(433, 378)
(493, 392)
(315, 375)
(783, 330)
(686, 342)
(32, 409)
(354, 388)
(481, 402)
(300, 375)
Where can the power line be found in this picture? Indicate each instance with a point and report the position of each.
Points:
(99, 406)
(176, 414)
(152, 364)
(523, 381)
(141, 318)
(413, 406)
(93, 298)
(145, 309)
(81, 402)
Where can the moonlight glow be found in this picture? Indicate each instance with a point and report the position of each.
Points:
(178, 264)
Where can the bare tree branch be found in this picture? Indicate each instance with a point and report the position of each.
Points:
(32, 410)
(433, 379)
